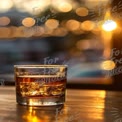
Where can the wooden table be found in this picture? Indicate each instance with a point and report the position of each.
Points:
(80, 106)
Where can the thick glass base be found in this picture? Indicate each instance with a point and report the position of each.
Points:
(36, 101)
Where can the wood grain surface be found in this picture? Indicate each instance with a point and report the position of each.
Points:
(80, 106)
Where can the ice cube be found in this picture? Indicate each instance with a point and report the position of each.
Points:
(56, 92)
(47, 90)
(41, 91)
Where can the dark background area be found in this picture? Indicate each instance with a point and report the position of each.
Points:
(81, 50)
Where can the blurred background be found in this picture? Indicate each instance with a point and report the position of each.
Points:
(77, 33)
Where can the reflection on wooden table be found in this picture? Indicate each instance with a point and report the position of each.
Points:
(80, 106)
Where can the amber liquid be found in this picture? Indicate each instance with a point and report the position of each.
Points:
(40, 86)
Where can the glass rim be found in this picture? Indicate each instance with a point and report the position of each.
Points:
(40, 66)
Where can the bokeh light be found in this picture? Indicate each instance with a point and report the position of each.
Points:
(65, 7)
(109, 25)
(72, 25)
(52, 23)
(108, 65)
(96, 30)
(83, 44)
(87, 25)
(28, 32)
(5, 32)
(82, 11)
(78, 32)
(19, 31)
(28, 22)
(5, 5)
(60, 32)
(48, 32)
(38, 31)
(4, 21)
(13, 31)
(33, 7)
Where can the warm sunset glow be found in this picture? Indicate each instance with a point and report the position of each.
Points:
(72, 25)
(108, 65)
(4, 21)
(65, 7)
(109, 25)
(28, 22)
(87, 25)
(82, 11)
(52, 23)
